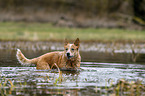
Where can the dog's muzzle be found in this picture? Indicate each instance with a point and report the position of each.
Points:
(68, 55)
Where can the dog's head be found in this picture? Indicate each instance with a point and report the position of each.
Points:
(71, 50)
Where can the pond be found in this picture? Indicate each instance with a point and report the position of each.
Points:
(99, 70)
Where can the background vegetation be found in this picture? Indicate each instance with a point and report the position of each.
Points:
(77, 13)
(45, 31)
(92, 20)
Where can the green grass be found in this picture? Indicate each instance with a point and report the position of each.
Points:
(45, 31)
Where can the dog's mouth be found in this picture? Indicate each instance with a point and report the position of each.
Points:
(68, 56)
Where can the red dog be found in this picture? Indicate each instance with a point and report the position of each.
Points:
(67, 59)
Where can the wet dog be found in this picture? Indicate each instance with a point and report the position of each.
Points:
(67, 59)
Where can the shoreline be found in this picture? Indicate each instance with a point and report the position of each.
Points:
(113, 47)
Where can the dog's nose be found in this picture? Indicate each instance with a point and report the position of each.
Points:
(68, 54)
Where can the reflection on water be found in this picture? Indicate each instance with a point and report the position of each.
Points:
(8, 57)
(29, 81)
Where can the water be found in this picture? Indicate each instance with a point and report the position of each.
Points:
(98, 70)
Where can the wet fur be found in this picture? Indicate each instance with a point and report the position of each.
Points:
(48, 60)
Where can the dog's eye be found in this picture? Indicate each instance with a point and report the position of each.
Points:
(66, 49)
(72, 49)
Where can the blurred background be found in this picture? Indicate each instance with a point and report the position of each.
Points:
(76, 13)
(96, 20)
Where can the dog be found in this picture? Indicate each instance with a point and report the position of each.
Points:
(67, 59)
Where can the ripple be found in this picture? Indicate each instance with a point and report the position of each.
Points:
(92, 74)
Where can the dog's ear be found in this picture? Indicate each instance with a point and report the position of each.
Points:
(65, 42)
(77, 42)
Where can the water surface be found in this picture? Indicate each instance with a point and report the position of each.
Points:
(98, 69)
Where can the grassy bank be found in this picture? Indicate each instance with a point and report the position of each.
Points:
(45, 31)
